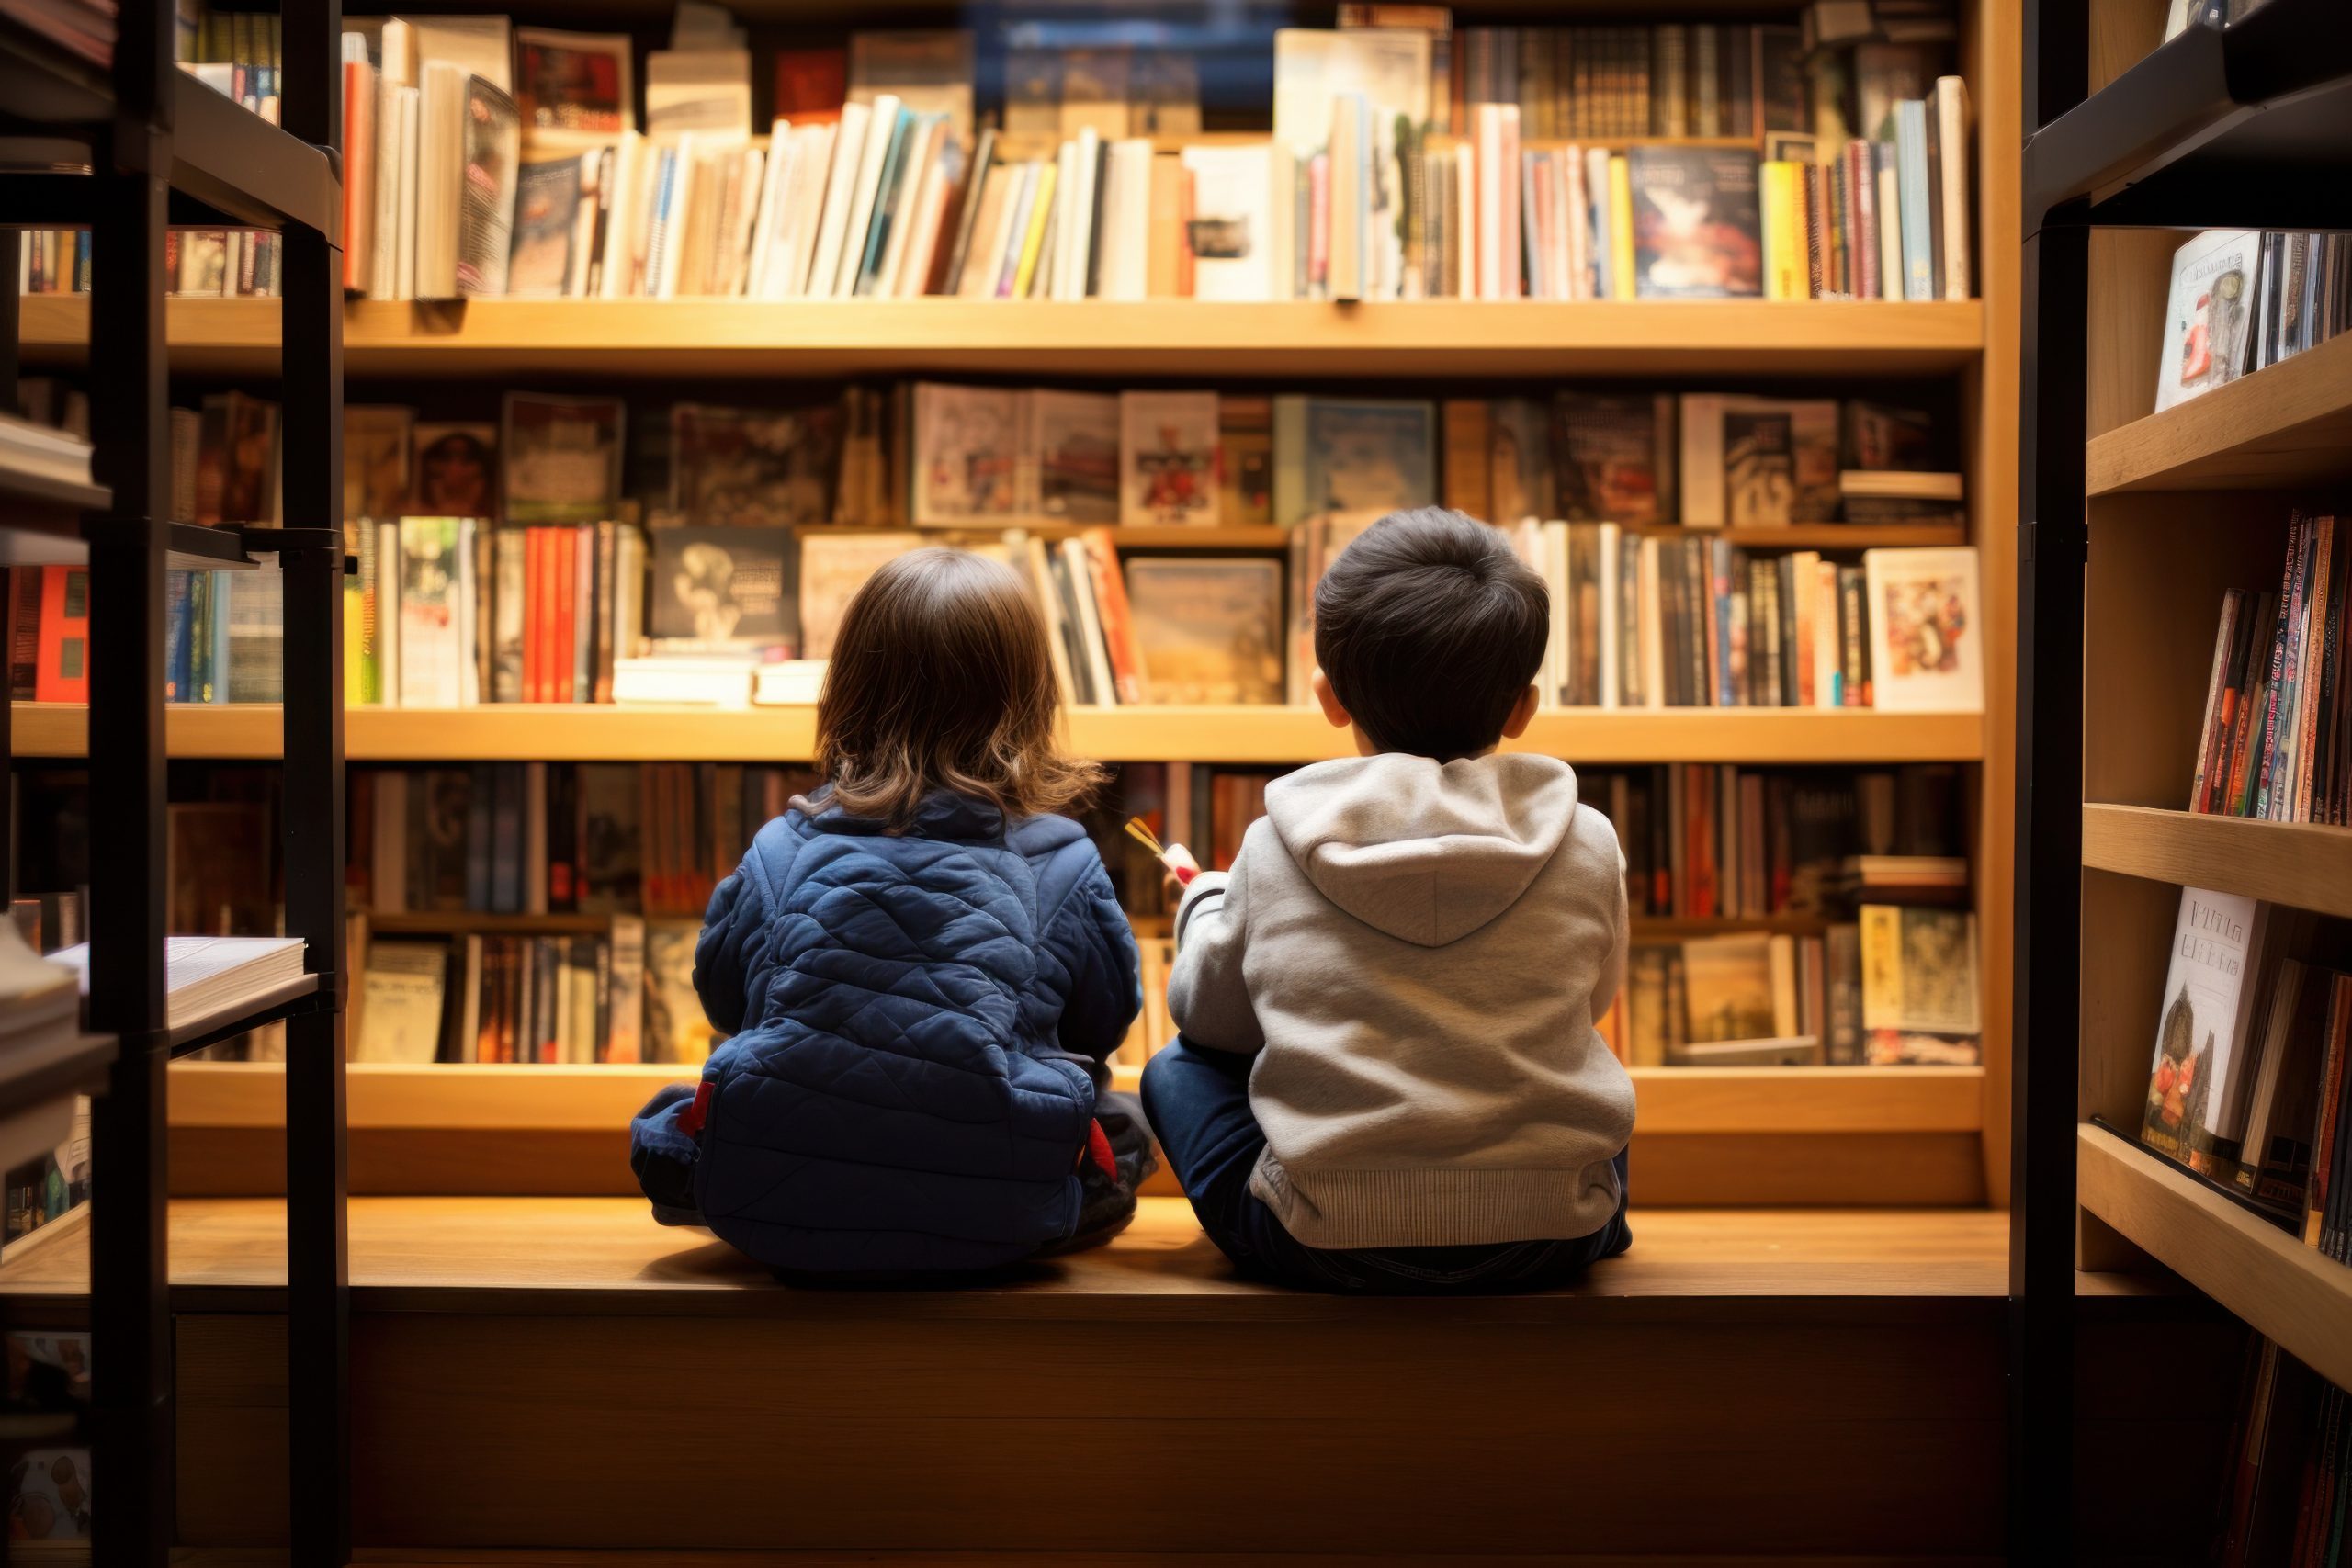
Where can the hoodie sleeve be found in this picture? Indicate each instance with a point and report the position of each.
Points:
(1206, 996)
(1613, 968)
(1097, 943)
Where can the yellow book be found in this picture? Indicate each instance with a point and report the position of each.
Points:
(1783, 250)
(1034, 238)
(1620, 229)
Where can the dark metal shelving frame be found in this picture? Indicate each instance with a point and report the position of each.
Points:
(2242, 126)
(164, 148)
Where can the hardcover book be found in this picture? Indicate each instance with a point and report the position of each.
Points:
(1167, 457)
(1697, 233)
(492, 143)
(1926, 637)
(547, 223)
(754, 468)
(564, 457)
(2206, 314)
(1919, 985)
(1335, 455)
(376, 441)
(1209, 631)
(725, 585)
(1613, 456)
(1076, 439)
(572, 85)
(457, 470)
(2206, 1008)
(967, 444)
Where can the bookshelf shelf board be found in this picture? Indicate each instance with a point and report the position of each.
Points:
(2300, 864)
(2271, 1279)
(527, 732)
(398, 1095)
(1286, 340)
(2242, 127)
(2286, 425)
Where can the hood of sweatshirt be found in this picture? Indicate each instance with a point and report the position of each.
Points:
(1423, 851)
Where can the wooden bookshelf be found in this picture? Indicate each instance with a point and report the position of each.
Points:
(581, 733)
(2271, 1278)
(2287, 424)
(1218, 342)
(1676, 1100)
(2302, 864)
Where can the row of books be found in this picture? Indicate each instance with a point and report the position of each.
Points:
(625, 994)
(224, 635)
(2242, 299)
(556, 838)
(2286, 1490)
(2276, 739)
(2248, 1083)
(1896, 987)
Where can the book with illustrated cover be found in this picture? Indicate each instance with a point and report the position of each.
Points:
(49, 1503)
(562, 457)
(1076, 441)
(832, 569)
(1919, 991)
(376, 439)
(574, 85)
(457, 470)
(1812, 493)
(492, 143)
(702, 92)
(1245, 430)
(928, 71)
(1926, 633)
(2207, 314)
(2205, 1011)
(1759, 468)
(1336, 455)
(754, 468)
(1209, 631)
(401, 996)
(546, 227)
(1697, 232)
(675, 1027)
(1241, 233)
(725, 585)
(968, 450)
(1167, 457)
(1613, 456)
(1727, 989)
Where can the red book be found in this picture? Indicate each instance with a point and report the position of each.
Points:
(543, 599)
(564, 594)
(359, 172)
(1118, 623)
(531, 616)
(63, 671)
(810, 84)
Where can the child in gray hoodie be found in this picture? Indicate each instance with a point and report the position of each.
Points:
(1387, 1079)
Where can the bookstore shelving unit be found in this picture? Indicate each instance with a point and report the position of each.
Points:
(1880, 1136)
(163, 148)
(2133, 527)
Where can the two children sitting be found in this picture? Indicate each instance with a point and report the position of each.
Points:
(1387, 1077)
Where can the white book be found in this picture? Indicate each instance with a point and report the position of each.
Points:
(468, 617)
(1652, 632)
(943, 166)
(620, 234)
(1949, 104)
(2207, 314)
(1559, 655)
(383, 271)
(1017, 205)
(441, 172)
(1242, 201)
(1926, 632)
(1125, 237)
(1890, 225)
(743, 191)
(764, 227)
(400, 993)
(411, 135)
(1089, 621)
(387, 610)
(840, 196)
(209, 975)
(861, 207)
(1612, 625)
(918, 176)
(804, 207)
(1077, 242)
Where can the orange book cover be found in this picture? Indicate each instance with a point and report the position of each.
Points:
(562, 592)
(1118, 624)
(63, 671)
(535, 664)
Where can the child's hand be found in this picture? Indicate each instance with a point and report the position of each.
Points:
(1181, 868)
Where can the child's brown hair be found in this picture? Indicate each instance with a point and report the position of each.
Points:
(940, 679)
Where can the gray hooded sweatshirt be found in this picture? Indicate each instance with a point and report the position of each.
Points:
(1416, 952)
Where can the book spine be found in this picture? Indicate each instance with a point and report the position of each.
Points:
(2208, 727)
(2282, 653)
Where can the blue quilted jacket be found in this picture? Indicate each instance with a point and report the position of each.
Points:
(917, 1025)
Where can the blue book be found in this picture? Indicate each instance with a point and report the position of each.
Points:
(885, 201)
(1911, 193)
(217, 624)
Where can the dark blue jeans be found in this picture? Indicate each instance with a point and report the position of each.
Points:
(1198, 1103)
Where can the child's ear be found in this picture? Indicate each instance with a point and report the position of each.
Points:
(1337, 716)
(1522, 713)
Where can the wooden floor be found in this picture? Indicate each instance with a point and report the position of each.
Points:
(606, 1255)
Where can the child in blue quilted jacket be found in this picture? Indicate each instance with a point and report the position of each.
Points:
(920, 967)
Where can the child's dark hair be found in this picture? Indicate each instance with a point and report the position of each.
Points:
(940, 679)
(1429, 628)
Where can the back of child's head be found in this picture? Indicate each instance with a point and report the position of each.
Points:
(1429, 629)
(940, 680)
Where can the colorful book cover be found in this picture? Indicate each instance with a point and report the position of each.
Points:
(967, 444)
(562, 457)
(2206, 314)
(2204, 1006)
(754, 468)
(1209, 631)
(1697, 232)
(457, 471)
(1077, 453)
(1167, 457)
(725, 585)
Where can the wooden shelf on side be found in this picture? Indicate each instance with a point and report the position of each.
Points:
(2277, 1285)
(2300, 864)
(579, 732)
(2284, 426)
(1045, 338)
(594, 1099)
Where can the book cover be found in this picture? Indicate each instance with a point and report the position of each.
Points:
(492, 143)
(431, 634)
(1697, 233)
(547, 222)
(2205, 1005)
(1361, 455)
(716, 585)
(675, 1027)
(1076, 439)
(1926, 641)
(812, 85)
(1237, 234)
(402, 1002)
(832, 569)
(1727, 989)
(1209, 631)
(928, 71)
(702, 92)
(1246, 460)
(1759, 468)
(968, 445)
(457, 470)
(1167, 457)
(572, 85)
(2206, 314)
(754, 468)
(61, 674)
(376, 448)
(1919, 991)
(562, 457)
(1610, 453)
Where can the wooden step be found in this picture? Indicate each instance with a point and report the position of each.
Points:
(562, 1374)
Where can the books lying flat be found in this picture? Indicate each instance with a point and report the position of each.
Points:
(207, 976)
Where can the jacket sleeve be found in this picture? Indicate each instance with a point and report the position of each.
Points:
(1097, 943)
(1206, 996)
(736, 920)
